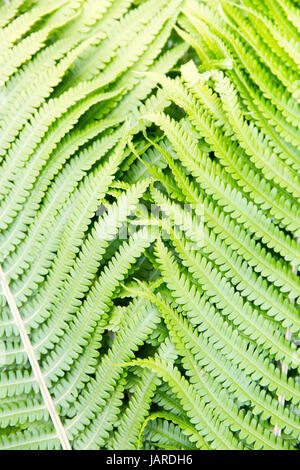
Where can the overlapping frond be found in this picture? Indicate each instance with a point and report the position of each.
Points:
(149, 224)
(72, 94)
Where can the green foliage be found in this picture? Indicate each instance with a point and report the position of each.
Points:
(149, 224)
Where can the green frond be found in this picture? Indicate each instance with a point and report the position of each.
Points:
(211, 178)
(212, 362)
(98, 390)
(216, 436)
(149, 225)
(203, 314)
(130, 422)
(167, 435)
(232, 265)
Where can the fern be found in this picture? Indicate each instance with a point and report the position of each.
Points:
(211, 103)
(61, 148)
(149, 224)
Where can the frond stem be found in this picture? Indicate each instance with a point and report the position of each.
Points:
(61, 433)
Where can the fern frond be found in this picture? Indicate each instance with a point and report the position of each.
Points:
(149, 224)
(210, 177)
(165, 434)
